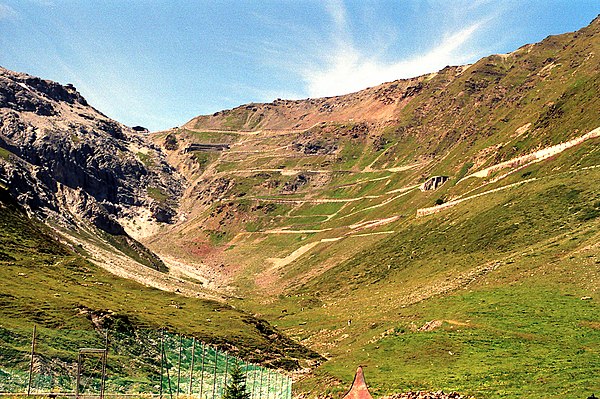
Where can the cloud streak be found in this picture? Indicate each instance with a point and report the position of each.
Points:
(7, 12)
(343, 68)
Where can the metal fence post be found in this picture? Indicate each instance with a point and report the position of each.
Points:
(104, 360)
(215, 376)
(253, 370)
(245, 371)
(78, 379)
(269, 378)
(162, 337)
(179, 364)
(192, 365)
(33, 336)
(226, 371)
(202, 370)
(252, 395)
(260, 385)
(168, 374)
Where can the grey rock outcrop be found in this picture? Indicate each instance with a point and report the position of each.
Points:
(64, 159)
(433, 183)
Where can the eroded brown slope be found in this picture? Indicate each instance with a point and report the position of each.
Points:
(376, 105)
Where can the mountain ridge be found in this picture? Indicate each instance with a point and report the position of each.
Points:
(49, 111)
(455, 124)
(389, 93)
(313, 221)
(304, 213)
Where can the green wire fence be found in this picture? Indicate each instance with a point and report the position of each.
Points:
(146, 362)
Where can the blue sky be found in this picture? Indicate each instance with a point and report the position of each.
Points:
(158, 63)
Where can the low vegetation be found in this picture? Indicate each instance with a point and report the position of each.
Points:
(48, 284)
(315, 229)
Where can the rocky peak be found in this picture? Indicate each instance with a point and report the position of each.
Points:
(65, 159)
(22, 92)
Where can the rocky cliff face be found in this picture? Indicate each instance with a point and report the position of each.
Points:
(65, 160)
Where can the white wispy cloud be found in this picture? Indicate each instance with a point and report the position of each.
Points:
(339, 15)
(44, 3)
(343, 68)
(7, 12)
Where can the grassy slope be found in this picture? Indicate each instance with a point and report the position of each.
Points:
(44, 282)
(450, 125)
(517, 329)
(504, 272)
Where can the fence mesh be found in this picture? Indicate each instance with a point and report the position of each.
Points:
(144, 362)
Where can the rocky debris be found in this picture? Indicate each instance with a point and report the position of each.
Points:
(171, 143)
(22, 92)
(433, 183)
(431, 325)
(426, 395)
(271, 184)
(97, 317)
(264, 208)
(490, 73)
(162, 213)
(315, 147)
(13, 96)
(326, 107)
(314, 142)
(226, 211)
(209, 191)
(324, 138)
(293, 185)
(390, 94)
(358, 130)
(379, 143)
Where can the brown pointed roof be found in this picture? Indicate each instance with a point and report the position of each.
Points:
(359, 388)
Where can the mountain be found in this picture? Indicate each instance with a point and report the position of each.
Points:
(342, 164)
(73, 299)
(87, 166)
(441, 231)
(72, 181)
(84, 174)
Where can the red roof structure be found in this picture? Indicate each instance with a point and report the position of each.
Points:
(359, 388)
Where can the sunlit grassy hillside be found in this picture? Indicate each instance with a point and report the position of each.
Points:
(317, 228)
(72, 302)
